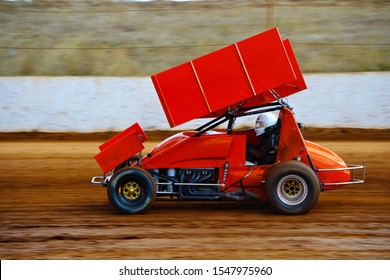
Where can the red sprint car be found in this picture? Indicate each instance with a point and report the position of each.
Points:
(212, 162)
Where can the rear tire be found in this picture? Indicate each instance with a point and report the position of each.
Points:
(131, 190)
(292, 188)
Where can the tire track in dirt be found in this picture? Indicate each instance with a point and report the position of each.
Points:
(50, 211)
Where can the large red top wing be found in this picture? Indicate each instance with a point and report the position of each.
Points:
(245, 71)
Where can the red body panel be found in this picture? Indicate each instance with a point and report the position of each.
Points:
(324, 159)
(136, 128)
(121, 147)
(183, 150)
(291, 144)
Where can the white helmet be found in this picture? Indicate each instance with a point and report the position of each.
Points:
(263, 121)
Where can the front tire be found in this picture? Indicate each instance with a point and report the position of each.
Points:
(292, 188)
(131, 190)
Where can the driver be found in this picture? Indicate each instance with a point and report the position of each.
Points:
(261, 154)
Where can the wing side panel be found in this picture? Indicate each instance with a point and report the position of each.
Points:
(247, 70)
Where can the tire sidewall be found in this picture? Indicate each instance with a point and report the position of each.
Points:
(143, 179)
(297, 170)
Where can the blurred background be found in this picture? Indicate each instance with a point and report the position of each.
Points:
(96, 40)
(140, 38)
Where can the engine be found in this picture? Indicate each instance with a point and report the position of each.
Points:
(187, 183)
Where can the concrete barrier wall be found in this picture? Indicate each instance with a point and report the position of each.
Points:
(90, 104)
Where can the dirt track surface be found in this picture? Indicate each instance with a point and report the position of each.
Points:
(49, 210)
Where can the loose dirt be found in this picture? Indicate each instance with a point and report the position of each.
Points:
(49, 210)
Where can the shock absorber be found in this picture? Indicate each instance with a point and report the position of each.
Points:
(171, 172)
(155, 176)
(225, 173)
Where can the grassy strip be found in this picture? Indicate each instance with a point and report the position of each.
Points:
(102, 38)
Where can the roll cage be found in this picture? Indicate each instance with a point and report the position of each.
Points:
(240, 111)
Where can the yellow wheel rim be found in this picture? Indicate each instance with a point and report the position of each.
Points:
(131, 190)
(292, 187)
(292, 190)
